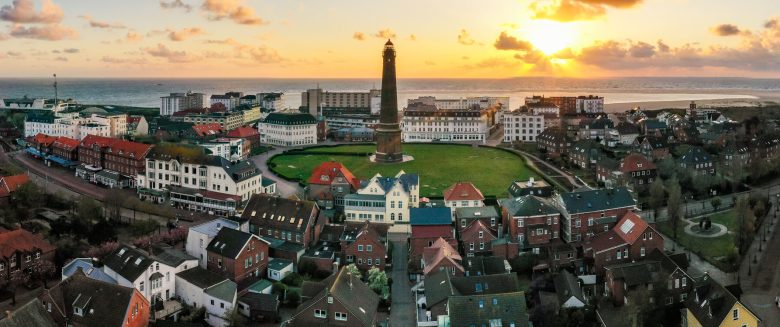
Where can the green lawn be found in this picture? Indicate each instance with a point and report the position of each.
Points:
(439, 166)
(715, 250)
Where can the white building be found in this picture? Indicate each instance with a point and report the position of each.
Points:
(200, 288)
(198, 182)
(288, 129)
(316, 100)
(590, 104)
(272, 101)
(229, 100)
(423, 122)
(32, 103)
(76, 127)
(175, 102)
(384, 199)
(232, 149)
(154, 276)
(522, 126)
(199, 236)
(483, 102)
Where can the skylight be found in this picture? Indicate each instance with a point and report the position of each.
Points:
(627, 226)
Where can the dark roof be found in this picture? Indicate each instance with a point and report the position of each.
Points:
(345, 289)
(711, 303)
(279, 118)
(597, 200)
(260, 301)
(280, 213)
(104, 304)
(476, 212)
(31, 314)
(695, 155)
(229, 242)
(656, 142)
(566, 286)
(529, 205)
(128, 262)
(637, 273)
(171, 256)
(440, 285)
(484, 265)
(430, 216)
(201, 277)
(479, 310)
(627, 128)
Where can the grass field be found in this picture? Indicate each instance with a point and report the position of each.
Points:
(715, 250)
(439, 165)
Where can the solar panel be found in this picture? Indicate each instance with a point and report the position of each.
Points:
(627, 226)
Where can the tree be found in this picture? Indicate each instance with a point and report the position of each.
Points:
(715, 202)
(657, 194)
(353, 270)
(88, 210)
(746, 221)
(103, 231)
(236, 319)
(113, 203)
(42, 270)
(15, 278)
(377, 281)
(673, 204)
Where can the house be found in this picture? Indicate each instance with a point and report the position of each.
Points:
(290, 225)
(66, 149)
(329, 183)
(278, 269)
(634, 169)
(82, 301)
(237, 255)
(9, 185)
(127, 159)
(595, 129)
(652, 126)
(152, 275)
(654, 147)
(200, 288)
(463, 194)
(199, 236)
(31, 314)
(626, 133)
(477, 239)
(137, 125)
(332, 302)
(553, 141)
(586, 213)
(764, 147)
(207, 131)
(488, 215)
(486, 265)
(532, 221)
(631, 239)
(713, 305)
(21, 252)
(441, 286)
(506, 309)
(259, 307)
(530, 187)
(568, 290)
(364, 247)
(585, 153)
(698, 161)
(384, 199)
(441, 256)
(679, 282)
(428, 225)
(87, 267)
(248, 134)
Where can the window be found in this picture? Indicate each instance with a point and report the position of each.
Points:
(360, 248)
(369, 248)
(619, 255)
(642, 251)
(471, 246)
(370, 261)
(481, 234)
(735, 314)
(141, 286)
(320, 313)
(684, 282)
(330, 300)
(463, 223)
(341, 316)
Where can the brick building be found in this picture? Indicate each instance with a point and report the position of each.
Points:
(586, 213)
(428, 225)
(339, 300)
(364, 247)
(476, 239)
(21, 251)
(125, 157)
(631, 239)
(329, 183)
(532, 221)
(237, 255)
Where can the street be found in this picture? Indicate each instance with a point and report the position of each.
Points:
(403, 308)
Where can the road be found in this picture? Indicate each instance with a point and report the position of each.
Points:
(698, 207)
(760, 281)
(284, 187)
(402, 308)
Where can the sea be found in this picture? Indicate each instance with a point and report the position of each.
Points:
(146, 92)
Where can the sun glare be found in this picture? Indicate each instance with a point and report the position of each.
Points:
(551, 37)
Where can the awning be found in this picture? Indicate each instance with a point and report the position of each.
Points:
(62, 161)
(34, 152)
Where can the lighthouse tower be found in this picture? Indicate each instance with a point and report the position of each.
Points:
(388, 132)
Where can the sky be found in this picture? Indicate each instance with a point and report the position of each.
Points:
(433, 38)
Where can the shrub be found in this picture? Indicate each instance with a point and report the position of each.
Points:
(293, 279)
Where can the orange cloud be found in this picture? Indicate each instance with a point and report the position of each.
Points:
(52, 32)
(233, 10)
(385, 34)
(360, 36)
(184, 34)
(175, 4)
(574, 10)
(508, 42)
(465, 38)
(725, 30)
(23, 11)
(99, 24)
(162, 51)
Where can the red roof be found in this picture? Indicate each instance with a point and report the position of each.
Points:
(118, 147)
(66, 143)
(604, 241)
(630, 227)
(243, 132)
(438, 252)
(432, 231)
(9, 184)
(635, 162)
(463, 191)
(133, 119)
(43, 139)
(22, 240)
(208, 129)
(325, 173)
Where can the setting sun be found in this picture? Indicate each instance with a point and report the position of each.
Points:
(551, 37)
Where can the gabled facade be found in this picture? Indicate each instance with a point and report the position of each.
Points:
(589, 212)
(364, 247)
(152, 276)
(532, 221)
(200, 288)
(289, 225)
(476, 239)
(713, 305)
(463, 194)
(698, 161)
(339, 300)
(199, 237)
(632, 239)
(237, 255)
(441, 256)
(21, 251)
(384, 199)
(654, 147)
(554, 141)
(125, 157)
(329, 183)
(428, 225)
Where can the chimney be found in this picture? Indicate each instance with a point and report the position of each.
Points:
(335, 266)
(500, 230)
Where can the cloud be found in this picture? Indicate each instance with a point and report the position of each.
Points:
(71, 50)
(161, 51)
(360, 36)
(225, 41)
(13, 54)
(175, 4)
(122, 61)
(465, 38)
(132, 36)
(412, 37)
(233, 10)
(50, 32)
(725, 30)
(184, 34)
(574, 10)
(662, 47)
(642, 50)
(23, 12)
(61, 58)
(256, 54)
(429, 63)
(508, 42)
(385, 34)
(98, 24)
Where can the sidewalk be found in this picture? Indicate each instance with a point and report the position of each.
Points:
(762, 285)
(700, 264)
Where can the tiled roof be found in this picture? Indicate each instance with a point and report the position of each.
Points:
(200, 277)
(128, 262)
(438, 252)
(597, 200)
(278, 118)
(463, 191)
(631, 227)
(635, 162)
(566, 286)
(117, 147)
(345, 289)
(43, 139)
(243, 132)
(695, 155)
(104, 304)
(280, 213)
(325, 173)
(31, 314)
(430, 216)
(22, 240)
(506, 309)
(711, 303)
(440, 285)
(66, 143)
(528, 206)
(9, 184)
(207, 129)
(229, 242)
(604, 241)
